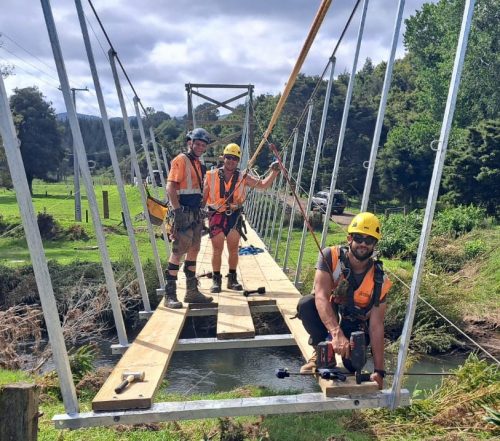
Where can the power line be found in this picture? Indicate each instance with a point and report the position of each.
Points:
(3, 34)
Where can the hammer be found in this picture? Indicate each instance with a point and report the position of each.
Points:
(209, 275)
(260, 290)
(129, 377)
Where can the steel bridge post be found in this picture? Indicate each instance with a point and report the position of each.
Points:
(285, 195)
(343, 125)
(38, 259)
(315, 169)
(114, 159)
(86, 176)
(133, 156)
(276, 203)
(381, 109)
(297, 185)
(431, 200)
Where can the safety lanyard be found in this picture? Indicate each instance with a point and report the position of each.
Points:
(193, 164)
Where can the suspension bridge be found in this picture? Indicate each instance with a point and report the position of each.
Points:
(152, 350)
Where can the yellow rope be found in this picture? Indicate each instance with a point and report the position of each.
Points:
(318, 20)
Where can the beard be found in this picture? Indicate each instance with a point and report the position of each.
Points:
(360, 257)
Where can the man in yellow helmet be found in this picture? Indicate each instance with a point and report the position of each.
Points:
(224, 194)
(350, 292)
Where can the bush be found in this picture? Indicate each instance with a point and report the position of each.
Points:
(47, 225)
(474, 248)
(454, 222)
(400, 235)
(76, 232)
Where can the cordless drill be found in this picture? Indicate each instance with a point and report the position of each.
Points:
(325, 355)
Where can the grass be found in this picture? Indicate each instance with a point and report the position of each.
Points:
(55, 199)
(454, 411)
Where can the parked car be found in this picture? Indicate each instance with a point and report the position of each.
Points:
(320, 201)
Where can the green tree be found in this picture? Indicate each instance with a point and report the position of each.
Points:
(473, 172)
(431, 38)
(405, 163)
(37, 131)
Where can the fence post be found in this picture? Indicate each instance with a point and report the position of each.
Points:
(19, 412)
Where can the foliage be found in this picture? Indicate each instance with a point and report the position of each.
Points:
(47, 225)
(456, 406)
(401, 234)
(456, 221)
(81, 361)
(473, 172)
(40, 139)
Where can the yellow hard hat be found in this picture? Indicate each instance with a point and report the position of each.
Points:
(365, 223)
(233, 149)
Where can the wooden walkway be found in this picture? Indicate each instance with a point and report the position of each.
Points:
(152, 350)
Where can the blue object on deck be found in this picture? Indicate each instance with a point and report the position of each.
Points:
(246, 251)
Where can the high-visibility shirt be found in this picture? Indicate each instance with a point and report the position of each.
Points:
(364, 293)
(189, 175)
(222, 200)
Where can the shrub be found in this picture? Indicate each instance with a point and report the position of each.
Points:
(76, 232)
(474, 248)
(47, 225)
(456, 221)
(400, 235)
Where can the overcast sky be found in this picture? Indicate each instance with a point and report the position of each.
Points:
(164, 44)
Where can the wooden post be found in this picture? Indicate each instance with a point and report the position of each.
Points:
(19, 412)
(105, 204)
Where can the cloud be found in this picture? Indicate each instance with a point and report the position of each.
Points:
(165, 44)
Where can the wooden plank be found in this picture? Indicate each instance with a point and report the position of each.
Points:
(150, 352)
(234, 319)
(349, 387)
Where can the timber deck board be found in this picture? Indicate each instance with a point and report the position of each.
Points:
(150, 352)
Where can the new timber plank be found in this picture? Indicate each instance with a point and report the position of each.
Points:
(150, 352)
(234, 319)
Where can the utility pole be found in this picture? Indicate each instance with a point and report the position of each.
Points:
(76, 170)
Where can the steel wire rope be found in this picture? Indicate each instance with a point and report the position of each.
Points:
(116, 56)
(31, 74)
(265, 137)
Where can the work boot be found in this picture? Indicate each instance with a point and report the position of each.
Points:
(311, 365)
(232, 282)
(193, 294)
(171, 300)
(217, 285)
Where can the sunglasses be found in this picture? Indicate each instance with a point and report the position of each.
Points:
(231, 157)
(358, 238)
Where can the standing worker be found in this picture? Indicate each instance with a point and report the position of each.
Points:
(224, 194)
(185, 193)
(349, 283)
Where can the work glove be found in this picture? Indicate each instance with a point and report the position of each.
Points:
(275, 166)
(181, 219)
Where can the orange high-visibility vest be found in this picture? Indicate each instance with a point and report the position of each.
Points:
(364, 293)
(189, 176)
(218, 200)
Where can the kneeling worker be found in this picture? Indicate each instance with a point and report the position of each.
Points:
(349, 283)
(224, 193)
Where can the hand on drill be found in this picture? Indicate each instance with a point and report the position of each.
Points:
(340, 343)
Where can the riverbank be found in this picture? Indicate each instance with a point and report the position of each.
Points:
(461, 409)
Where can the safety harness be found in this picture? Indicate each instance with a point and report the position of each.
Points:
(349, 310)
(228, 195)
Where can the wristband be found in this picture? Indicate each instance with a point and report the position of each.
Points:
(381, 372)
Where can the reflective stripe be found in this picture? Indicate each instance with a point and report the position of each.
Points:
(189, 180)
